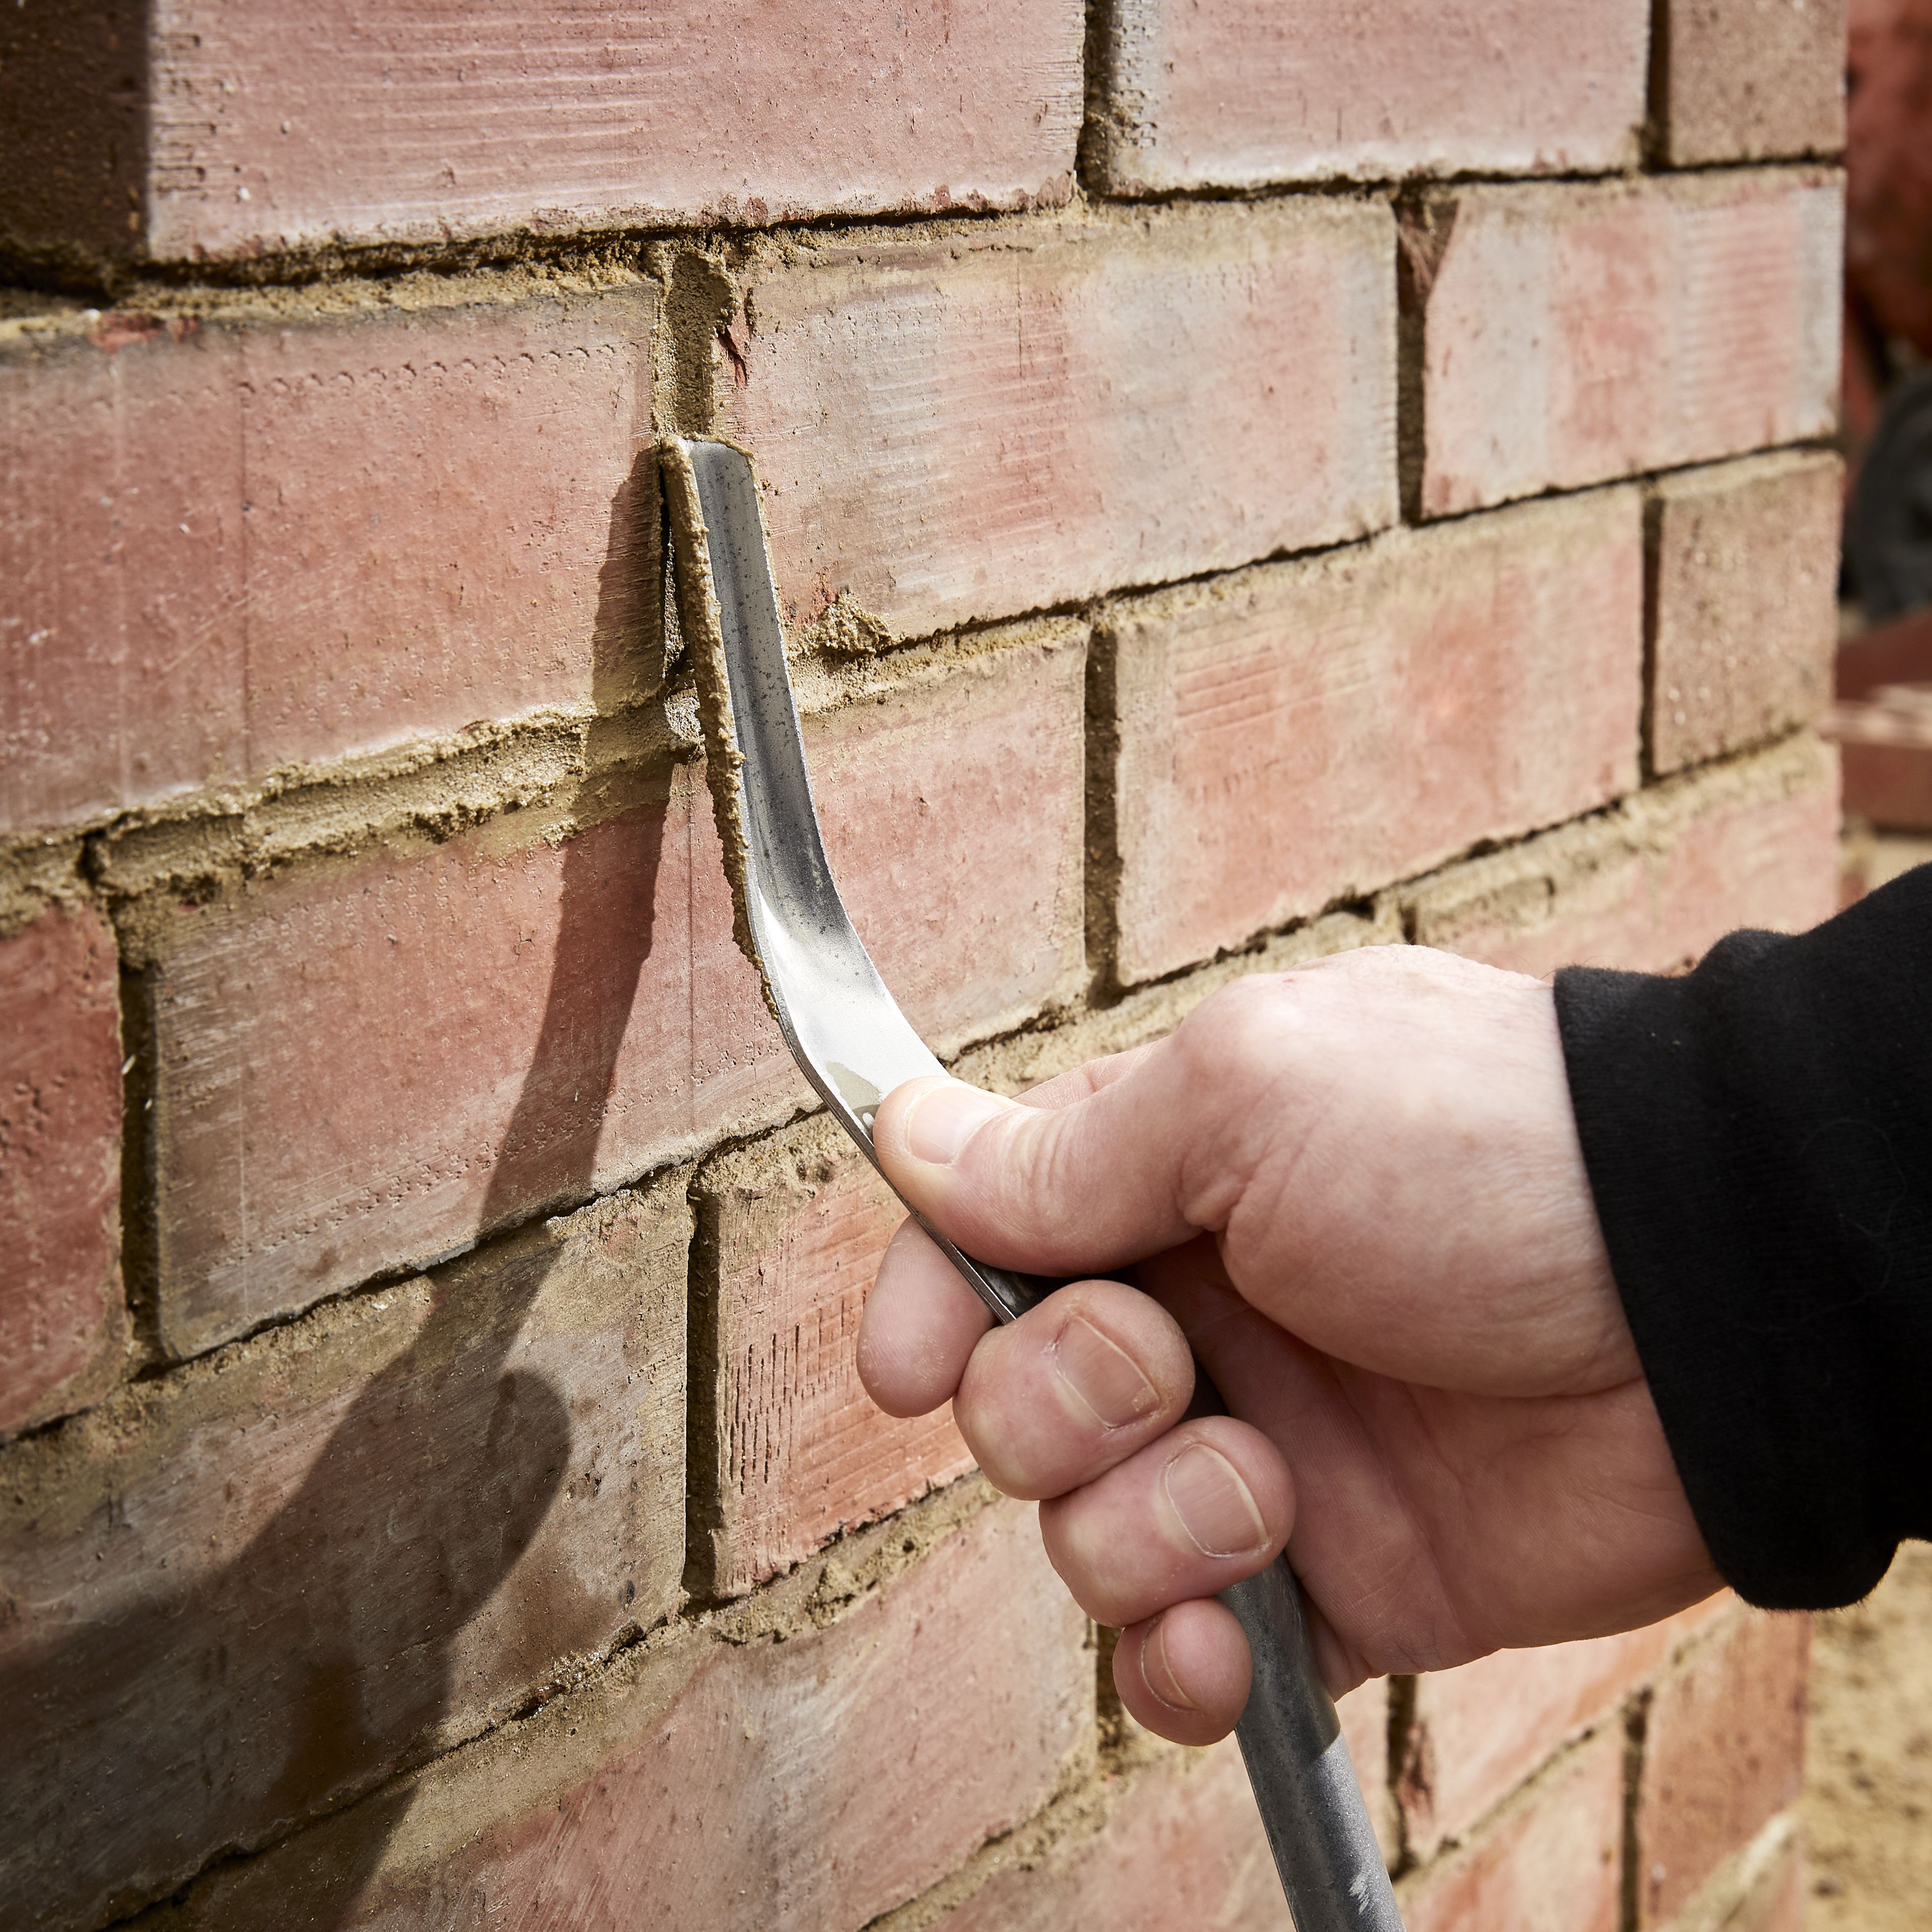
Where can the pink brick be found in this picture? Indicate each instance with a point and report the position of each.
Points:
(62, 1321)
(1746, 604)
(1653, 888)
(811, 1784)
(1003, 420)
(1239, 93)
(235, 549)
(796, 1450)
(440, 123)
(1478, 1731)
(1571, 334)
(365, 1063)
(1309, 732)
(235, 1596)
(1724, 1752)
(1554, 1860)
(1183, 1846)
(1750, 80)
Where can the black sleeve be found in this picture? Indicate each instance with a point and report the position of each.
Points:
(1759, 1139)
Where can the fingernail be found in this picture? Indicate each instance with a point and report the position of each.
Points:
(1100, 1375)
(1156, 1672)
(944, 1119)
(1213, 1503)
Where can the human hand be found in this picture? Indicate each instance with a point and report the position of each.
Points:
(1356, 1190)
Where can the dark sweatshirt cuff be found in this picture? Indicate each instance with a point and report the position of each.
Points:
(1759, 1140)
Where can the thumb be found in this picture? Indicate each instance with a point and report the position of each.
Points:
(1069, 1189)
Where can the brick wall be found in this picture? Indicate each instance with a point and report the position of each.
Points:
(1246, 481)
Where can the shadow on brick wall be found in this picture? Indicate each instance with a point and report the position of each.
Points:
(281, 1684)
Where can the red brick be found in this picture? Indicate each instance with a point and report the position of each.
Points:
(1309, 731)
(1003, 420)
(1654, 885)
(1750, 80)
(62, 1320)
(443, 123)
(811, 1784)
(1553, 1860)
(363, 1064)
(1239, 93)
(1572, 334)
(1479, 1731)
(797, 1451)
(1724, 1752)
(235, 549)
(1746, 604)
(1886, 746)
(233, 1596)
(1182, 1847)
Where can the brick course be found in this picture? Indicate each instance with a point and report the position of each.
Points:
(232, 549)
(479, 120)
(1309, 732)
(811, 1783)
(534, 1014)
(62, 1322)
(242, 1595)
(1651, 887)
(995, 421)
(1239, 93)
(1569, 334)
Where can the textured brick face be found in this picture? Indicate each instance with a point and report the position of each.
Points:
(233, 549)
(1309, 732)
(1746, 604)
(1571, 335)
(1237, 93)
(61, 1319)
(1749, 80)
(1651, 891)
(1724, 1752)
(994, 423)
(450, 121)
(1554, 1860)
(238, 1597)
(809, 1785)
(1478, 1731)
(361, 1066)
(800, 1452)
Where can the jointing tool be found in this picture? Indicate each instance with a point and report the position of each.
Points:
(854, 1046)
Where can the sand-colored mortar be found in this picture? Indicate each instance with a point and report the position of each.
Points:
(1868, 1759)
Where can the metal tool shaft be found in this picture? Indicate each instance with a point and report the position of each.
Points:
(854, 1046)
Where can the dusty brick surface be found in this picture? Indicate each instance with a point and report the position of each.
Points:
(1573, 334)
(1748, 80)
(1239, 93)
(809, 1784)
(1723, 1753)
(1759, 1889)
(1553, 1859)
(1477, 1732)
(442, 123)
(1182, 1846)
(795, 1228)
(233, 1597)
(998, 420)
(1652, 886)
(364, 1062)
(1746, 562)
(234, 549)
(62, 1320)
(1310, 731)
